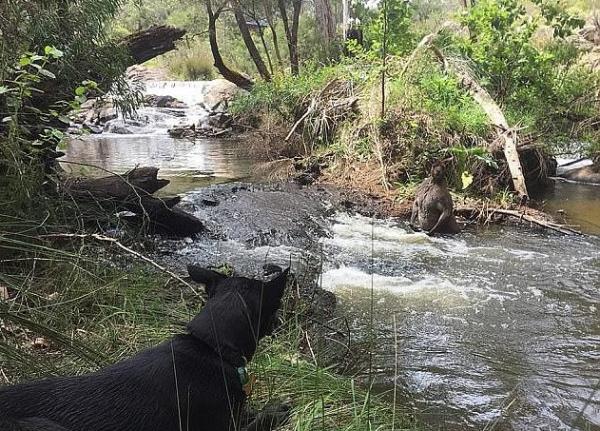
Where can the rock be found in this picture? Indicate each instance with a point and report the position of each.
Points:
(119, 129)
(220, 91)
(164, 102)
(143, 73)
(96, 111)
(210, 202)
(182, 131)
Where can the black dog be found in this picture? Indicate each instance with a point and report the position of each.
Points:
(192, 382)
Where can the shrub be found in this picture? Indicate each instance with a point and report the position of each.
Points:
(191, 63)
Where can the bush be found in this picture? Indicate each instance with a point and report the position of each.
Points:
(191, 63)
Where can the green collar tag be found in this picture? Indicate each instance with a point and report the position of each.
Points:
(243, 375)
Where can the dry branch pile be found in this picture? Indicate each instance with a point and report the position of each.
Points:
(326, 109)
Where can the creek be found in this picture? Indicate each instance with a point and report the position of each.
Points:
(497, 328)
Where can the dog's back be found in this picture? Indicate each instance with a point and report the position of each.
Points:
(178, 382)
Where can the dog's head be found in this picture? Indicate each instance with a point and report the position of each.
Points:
(239, 311)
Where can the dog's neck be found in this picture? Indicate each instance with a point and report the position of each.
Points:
(224, 325)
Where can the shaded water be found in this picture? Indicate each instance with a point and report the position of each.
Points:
(188, 164)
(580, 202)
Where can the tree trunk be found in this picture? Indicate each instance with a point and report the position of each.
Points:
(249, 42)
(230, 75)
(152, 42)
(264, 44)
(297, 6)
(291, 33)
(325, 22)
(271, 22)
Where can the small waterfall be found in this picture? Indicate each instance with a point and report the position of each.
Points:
(189, 92)
(152, 120)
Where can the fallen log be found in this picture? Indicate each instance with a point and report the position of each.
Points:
(133, 192)
(152, 42)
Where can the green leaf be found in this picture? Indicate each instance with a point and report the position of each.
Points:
(80, 91)
(64, 119)
(90, 84)
(51, 51)
(467, 179)
(25, 61)
(4, 89)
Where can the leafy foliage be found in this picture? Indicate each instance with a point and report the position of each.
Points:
(503, 51)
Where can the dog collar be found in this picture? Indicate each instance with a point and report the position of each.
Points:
(243, 375)
(243, 372)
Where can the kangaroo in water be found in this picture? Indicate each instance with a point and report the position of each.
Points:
(433, 208)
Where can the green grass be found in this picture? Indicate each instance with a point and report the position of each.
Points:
(190, 63)
(92, 312)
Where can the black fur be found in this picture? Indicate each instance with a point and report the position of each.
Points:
(188, 383)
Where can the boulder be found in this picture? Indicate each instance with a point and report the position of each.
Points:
(97, 111)
(220, 91)
(164, 102)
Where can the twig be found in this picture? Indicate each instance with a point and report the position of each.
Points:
(103, 238)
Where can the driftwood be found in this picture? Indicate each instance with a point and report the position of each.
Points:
(489, 106)
(133, 192)
(152, 42)
(565, 230)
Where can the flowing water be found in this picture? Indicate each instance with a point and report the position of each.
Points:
(497, 329)
(187, 163)
(491, 329)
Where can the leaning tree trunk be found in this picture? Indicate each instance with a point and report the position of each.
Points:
(147, 44)
(291, 33)
(249, 42)
(230, 75)
(506, 134)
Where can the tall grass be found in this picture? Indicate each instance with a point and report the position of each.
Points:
(72, 310)
(190, 63)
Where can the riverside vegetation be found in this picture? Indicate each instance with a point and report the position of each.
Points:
(71, 302)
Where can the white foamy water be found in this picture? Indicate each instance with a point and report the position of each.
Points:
(189, 92)
(501, 318)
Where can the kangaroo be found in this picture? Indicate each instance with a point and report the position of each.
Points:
(433, 208)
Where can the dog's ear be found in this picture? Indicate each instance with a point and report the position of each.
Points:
(276, 287)
(206, 276)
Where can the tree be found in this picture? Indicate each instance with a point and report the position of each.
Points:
(326, 24)
(248, 41)
(270, 18)
(291, 32)
(230, 75)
